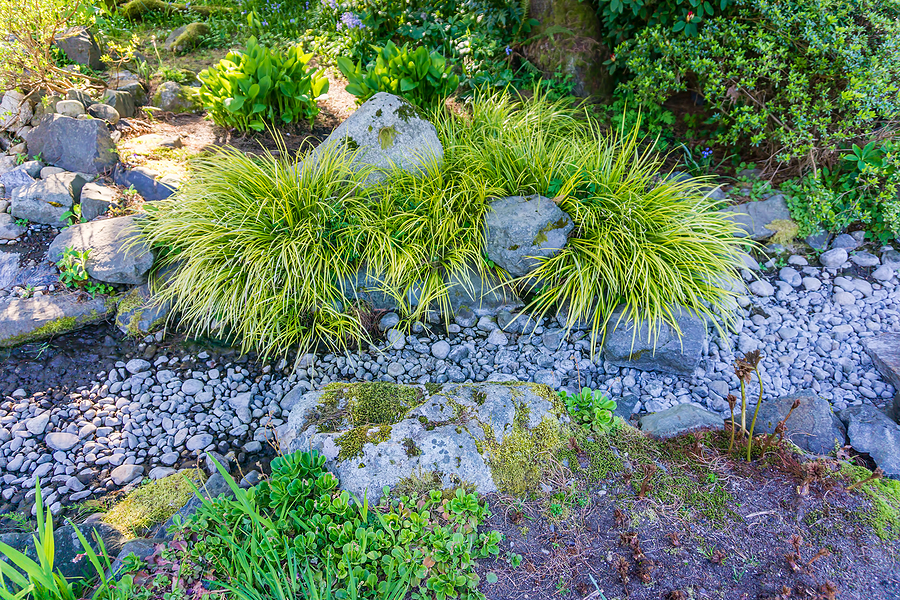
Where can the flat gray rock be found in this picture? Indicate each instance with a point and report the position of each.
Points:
(24, 320)
(386, 132)
(661, 350)
(872, 432)
(96, 200)
(80, 145)
(813, 426)
(16, 178)
(752, 217)
(519, 229)
(9, 230)
(115, 255)
(684, 418)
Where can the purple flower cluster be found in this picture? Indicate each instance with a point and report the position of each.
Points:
(706, 153)
(350, 21)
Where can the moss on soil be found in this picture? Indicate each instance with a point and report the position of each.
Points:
(518, 463)
(884, 495)
(351, 443)
(154, 502)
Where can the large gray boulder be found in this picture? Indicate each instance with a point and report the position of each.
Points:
(24, 320)
(754, 216)
(813, 426)
(116, 252)
(884, 350)
(454, 434)
(15, 111)
(519, 229)
(15, 178)
(386, 132)
(145, 182)
(82, 145)
(683, 418)
(44, 201)
(632, 344)
(80, 47)
(872, 432)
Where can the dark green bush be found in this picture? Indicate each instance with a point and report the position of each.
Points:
(799, 79)
(424, 78)
(260, 86)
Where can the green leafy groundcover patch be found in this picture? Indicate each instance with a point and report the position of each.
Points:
(296, 535)
(273, 250)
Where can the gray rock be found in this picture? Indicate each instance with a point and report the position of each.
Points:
(385, 133)
(43, 201)
(844, 299)
(192, 387)
(811, 284)
(884, 350)
(872, 432)
(864, 259)
(663, 349)
(141, 548)
(818, 241)
(813, 425)
(845, 241)
(120, 100)
(121, 78)
(684, 418)
(762, 288)
(137, 365)
(80, 47)
(38, 424)
(174, 97)
(30, 319)
(139, 313)
(752, 217)
(519, 229)
(80, 145)
(115, 253)
(62, 441)
(834, 258)
(136, 90)
(883, 273)
(9, 230)
(67, 547)
(482, 294)
(96, 200)
(790, 276)
(126, 474)
(15, 111)
(70, 108)
(440, 350)
(199, 442)
(16, 178)
(449, 448)
(104, 112)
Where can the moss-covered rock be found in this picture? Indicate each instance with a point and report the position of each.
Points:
(139, 314)
(567, 42)
(135, 10)
(174, 97)
(154, 502)
(31, 319)
(497, 436)
(186, 37)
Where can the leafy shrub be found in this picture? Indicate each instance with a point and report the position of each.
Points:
(623, 19)
(421, 77)
(298, 523)
(260, 86)
(864, 187)
(799, 79)
(590, 409)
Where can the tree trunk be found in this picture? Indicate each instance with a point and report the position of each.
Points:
(568, 42)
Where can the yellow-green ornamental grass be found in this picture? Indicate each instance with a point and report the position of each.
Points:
(266, 251)
(154, 502)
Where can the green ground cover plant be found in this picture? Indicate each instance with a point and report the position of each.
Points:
(269, 250)
(260, 86)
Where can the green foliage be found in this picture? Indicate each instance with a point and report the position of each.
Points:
(297, 533)
(798, 79)
(38, 579)
(863, 187)
(590, 409)
(261, 86)
(421, 77)
(653, 121)
(73, 273)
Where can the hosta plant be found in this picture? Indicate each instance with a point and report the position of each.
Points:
(260, 87)
(421, 77)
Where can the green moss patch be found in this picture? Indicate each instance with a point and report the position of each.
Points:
(884, 494)
(153, 503)
(518, 463)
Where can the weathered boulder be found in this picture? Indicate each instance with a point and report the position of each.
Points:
(16, 178)
(386, 132)
(145, 182)
(44, 201)
(96, 200)
(752, 217)
(518, 229)
(116, 253)
(104, 112)
(9, 230)
(138, 314)
(82, 145)
(884, 350)
(187, 37)
(683, 418)
(872, 432)
(120, 100)
(174, 97)
(24, 320)
(631, 344)
(463, 433)
(813, 426)
(70, 108)
(80, 47)
(15, 111)
(68, 547)
(120, 78)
